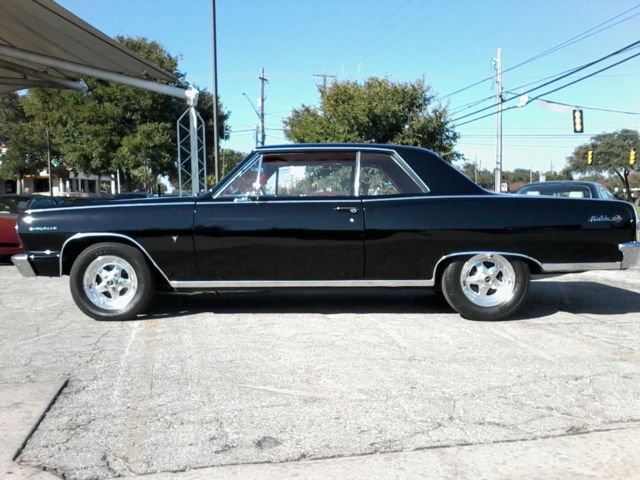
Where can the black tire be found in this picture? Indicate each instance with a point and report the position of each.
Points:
(509, 285)
(111, 281)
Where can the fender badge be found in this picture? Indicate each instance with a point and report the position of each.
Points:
(605, 218)
(44, 228)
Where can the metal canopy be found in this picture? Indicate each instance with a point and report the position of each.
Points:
(32, 31)
(45, 45)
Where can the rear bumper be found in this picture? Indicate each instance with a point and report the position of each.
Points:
(630, 254)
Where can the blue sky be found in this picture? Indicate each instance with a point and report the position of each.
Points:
(449, 43)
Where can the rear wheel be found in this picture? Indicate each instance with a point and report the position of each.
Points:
(111, 281)
(486, 286)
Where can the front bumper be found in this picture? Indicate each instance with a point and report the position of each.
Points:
(31, 264)
(630, 255)
(21, 261)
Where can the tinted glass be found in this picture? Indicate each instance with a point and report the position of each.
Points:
(381, 175)
(569, 191)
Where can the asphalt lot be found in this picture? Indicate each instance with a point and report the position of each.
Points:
(209, 380)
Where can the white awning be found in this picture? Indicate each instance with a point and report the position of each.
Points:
(45, 45)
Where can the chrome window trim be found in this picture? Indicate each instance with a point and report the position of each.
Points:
(284, 200)
(248, 164)
(79, 236)
(401, 162)
(356, 177)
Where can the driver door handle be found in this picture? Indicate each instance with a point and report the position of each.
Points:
(346, 209)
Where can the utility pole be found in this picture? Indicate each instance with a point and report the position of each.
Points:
(475, 158)
(263, 80)
(49, 163)
(324, 77)
(499, 100)
(216, 149)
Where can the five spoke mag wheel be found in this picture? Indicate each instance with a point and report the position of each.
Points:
(111, 281)
(486, 286)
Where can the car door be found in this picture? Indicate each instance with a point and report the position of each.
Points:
(393, 198)
(284, 216)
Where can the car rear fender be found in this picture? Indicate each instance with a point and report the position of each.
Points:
(535, 267)
(75, 244)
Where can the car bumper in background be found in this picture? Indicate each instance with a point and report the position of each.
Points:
(630, 254)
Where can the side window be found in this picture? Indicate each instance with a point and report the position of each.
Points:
(381, 175)
(244, 183)
(311, 174)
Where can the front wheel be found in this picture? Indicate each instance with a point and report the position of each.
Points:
(111, 281)
(486, 286)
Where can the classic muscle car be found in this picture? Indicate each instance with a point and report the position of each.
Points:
(327, 216)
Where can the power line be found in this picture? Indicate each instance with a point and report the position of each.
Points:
(589, 108)
(553, 90)
(581, 36)
(570, 72)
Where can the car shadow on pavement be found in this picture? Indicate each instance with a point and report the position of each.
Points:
(592, 298)
(544, 299)
(286, 301)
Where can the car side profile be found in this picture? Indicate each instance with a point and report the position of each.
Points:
(337, 215)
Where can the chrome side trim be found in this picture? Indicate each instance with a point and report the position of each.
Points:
(79, 236)
(89, 207)
(298, 283)
(580, 267)
(21, 261)
(630, 254)
(479, 252)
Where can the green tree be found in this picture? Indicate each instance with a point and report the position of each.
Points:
(378, 111)
(118, 127)
(484, 177)
(229, 158)
(610, 155)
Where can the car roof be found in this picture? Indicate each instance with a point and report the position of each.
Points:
(344, 146)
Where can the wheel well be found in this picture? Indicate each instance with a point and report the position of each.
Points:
(75, 247)
(534, 267)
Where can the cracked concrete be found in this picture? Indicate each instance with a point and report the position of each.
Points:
(274, 377)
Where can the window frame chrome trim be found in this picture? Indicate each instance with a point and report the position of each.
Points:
(356, 176)
(393, 154)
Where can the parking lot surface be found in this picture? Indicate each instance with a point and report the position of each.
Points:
(207, 380)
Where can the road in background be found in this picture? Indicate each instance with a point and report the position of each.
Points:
(209, 380)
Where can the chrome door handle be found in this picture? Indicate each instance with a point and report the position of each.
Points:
(346, 209)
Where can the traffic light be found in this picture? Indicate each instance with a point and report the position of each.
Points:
(590, 157)
(632, 157)
(578, 123)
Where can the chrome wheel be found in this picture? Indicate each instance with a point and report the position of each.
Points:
(110, 282)
(488, 280)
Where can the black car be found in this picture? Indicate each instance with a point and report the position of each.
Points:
(328, 216)
(567, 189)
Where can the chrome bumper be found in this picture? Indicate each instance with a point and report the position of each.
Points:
(21, 261)
(630, 254)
